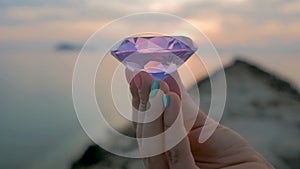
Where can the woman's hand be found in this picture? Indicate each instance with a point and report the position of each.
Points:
(224, 149)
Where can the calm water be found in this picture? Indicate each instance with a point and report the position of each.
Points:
(39, 127)
(38, 123)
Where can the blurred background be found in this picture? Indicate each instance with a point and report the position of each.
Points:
(40, 41)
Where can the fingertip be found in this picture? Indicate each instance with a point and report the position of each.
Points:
(174, 101)
(172, 110)
(139, 78)
(173, 84)
(146, 78)
(163, 86)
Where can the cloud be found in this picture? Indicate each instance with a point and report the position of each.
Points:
(227, 23)
(36, 3)
(52, 31)
(29, 14)
(291, 7)
(249, 22)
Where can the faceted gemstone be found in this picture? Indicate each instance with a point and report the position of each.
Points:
(157, 55)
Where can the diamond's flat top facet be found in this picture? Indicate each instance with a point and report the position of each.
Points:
(158, 55)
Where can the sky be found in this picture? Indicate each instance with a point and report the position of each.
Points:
(234, 26)
(250, 28)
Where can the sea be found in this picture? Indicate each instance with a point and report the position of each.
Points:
(38, 124)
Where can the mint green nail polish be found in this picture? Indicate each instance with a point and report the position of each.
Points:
(166, 99)
(154, 88)
(153, 92)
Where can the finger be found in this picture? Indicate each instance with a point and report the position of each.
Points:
(156, 85)
(143, 82)
(139, 130)
(163, 86)
(135, 99)
(139, 85)
(174, 83)
(144, 86)
(193, 117)
(134, 92)
(155, 128)
(179, 156)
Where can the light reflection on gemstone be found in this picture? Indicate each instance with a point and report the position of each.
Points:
(157, 55)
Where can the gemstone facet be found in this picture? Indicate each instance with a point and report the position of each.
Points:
(157, 55)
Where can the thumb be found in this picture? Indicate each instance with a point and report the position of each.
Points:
(180, 155)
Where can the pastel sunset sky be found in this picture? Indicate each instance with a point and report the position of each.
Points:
(234, 26)
(266, 31)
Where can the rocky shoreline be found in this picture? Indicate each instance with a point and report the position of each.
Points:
(260, 106)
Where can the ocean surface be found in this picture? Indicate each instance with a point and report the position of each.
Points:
(39, 127)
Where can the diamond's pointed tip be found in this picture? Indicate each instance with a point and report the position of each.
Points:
(187, 41)
(112, 52)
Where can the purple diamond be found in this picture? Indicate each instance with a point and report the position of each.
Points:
(157, 55)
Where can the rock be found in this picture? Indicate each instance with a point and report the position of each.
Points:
(262, 108)
(93, 155)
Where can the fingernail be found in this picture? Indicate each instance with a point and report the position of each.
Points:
(138, 81)
(154, 88)
(166, 99)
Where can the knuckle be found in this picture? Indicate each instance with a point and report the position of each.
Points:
(143, 95)
(163, 86)
(173, 156)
